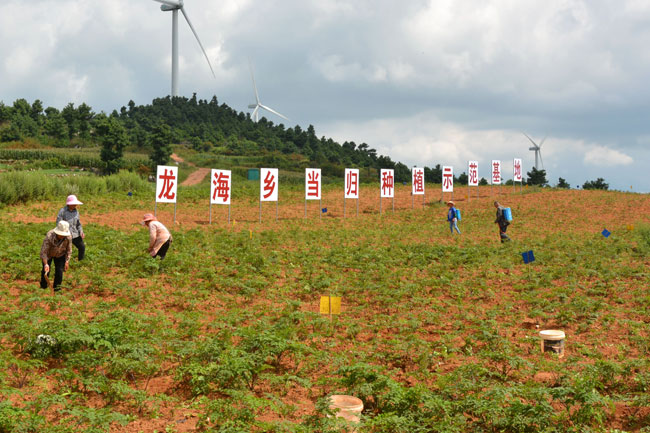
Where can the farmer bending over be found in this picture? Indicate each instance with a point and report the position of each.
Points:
(57, 247)
(159, 237)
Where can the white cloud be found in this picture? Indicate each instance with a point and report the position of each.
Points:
(606, 157)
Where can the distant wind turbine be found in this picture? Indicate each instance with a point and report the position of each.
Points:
(175, 6)
(257, 105)
(538, 151)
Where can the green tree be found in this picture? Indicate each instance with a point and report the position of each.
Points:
(55, 125)
(596, 184)
(562, 183)
(537, 177)
(161, 140)
(113, 138)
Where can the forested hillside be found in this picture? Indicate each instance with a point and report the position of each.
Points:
(205, 126)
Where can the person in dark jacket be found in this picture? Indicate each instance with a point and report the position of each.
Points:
(57, 248)
(70, 214)
(451, 217)
(502, 222)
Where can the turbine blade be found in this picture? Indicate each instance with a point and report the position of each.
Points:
(542, 142)
(250, 66)
(273, 111)
(531, 140)
(541, 159)
(198, 40)
(254, 115)
(171, 3)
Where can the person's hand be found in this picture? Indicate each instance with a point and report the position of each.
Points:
(83, 236)
(46, 268)
(65, 268)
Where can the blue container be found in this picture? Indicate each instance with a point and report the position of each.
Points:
(507, 214)
(458, 214)
(253, 174)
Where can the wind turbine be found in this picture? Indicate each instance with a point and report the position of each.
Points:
(257, 105)
(538, 151)
(175, 6)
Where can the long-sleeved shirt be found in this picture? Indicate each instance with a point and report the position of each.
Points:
(158, 235)
(451, 214)
(53, 246)
(72, 217)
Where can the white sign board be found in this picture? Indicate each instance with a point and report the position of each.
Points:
(220, 183)
(387, 179)
(417, 181)
(496, 172)
(351, 183)
(166, 184)
(268, 184)
(312, 184)
(472, 173)
(447, 179)
(517, 175)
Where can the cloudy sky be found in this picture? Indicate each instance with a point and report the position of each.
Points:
(423, 81)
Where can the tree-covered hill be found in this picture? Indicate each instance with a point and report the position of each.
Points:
(205, 126)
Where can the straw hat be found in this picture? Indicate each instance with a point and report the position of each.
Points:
(62, 228)
(451, 203)
(147, 217)
(72, 199)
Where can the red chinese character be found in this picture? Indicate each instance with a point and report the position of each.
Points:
(312, 184)
(221, 184)
(447, 180)
(496, 175)
(418, 181)
(473, 173)
(387, 182)
(166, 190)
(352, 183)
(517, 170)
(269, 184)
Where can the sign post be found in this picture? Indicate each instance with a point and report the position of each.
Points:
(269, 188)
(387, 190)
(517, 175)
(417, 184)
(220, 189)
(313, 188)
(447, 181)
(351, 189)
(472, 177)
(496, 174)
(166, 185)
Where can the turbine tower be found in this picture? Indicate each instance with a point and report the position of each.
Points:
(175, 6)
(538, 151)
(257, 105)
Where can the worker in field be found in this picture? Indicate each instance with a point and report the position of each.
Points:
(452, 217)
(57, 248)
(502, 221)
(70, 214)
(159, 237)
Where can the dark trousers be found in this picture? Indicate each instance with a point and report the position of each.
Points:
(502, 232)
(59, 264)
(162, 252)
(79, 243)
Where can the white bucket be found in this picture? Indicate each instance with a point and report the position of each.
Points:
(347, 407)
(552, 341)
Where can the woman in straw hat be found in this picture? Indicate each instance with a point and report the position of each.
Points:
(70, 214)
(57, 248)
(159, 237)
(451, 217)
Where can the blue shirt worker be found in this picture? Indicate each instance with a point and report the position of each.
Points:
(451, 217)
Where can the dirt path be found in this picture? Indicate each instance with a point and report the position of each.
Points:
(196, 176)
